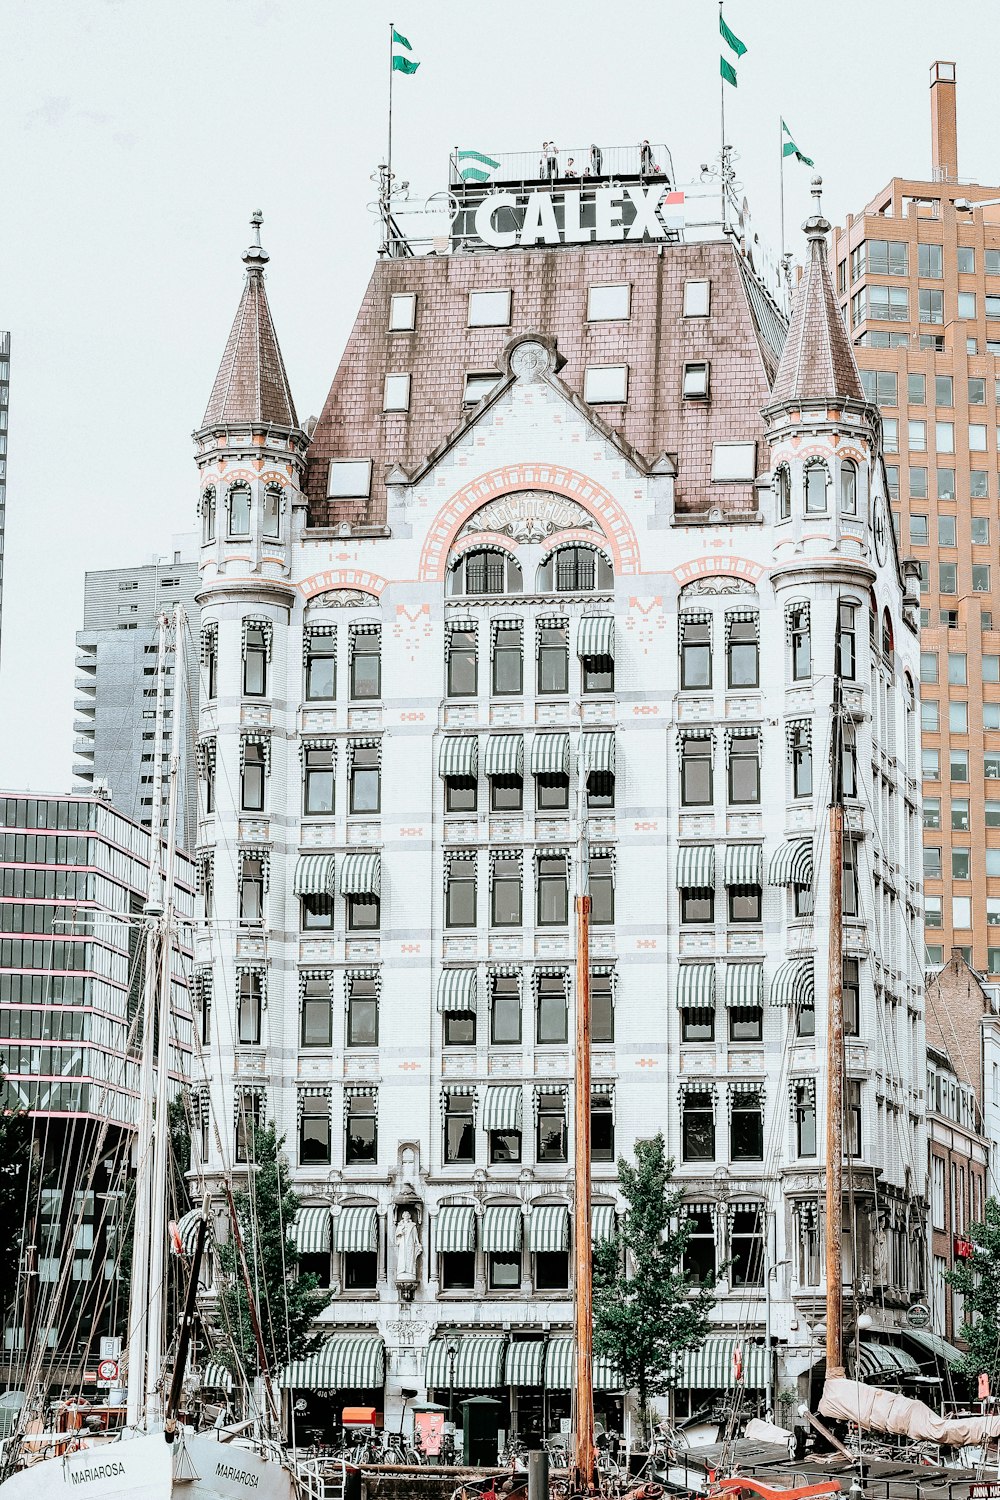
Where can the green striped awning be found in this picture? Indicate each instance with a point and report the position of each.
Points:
(347, 1361)
(696, 986)
(882, 1361)
(311, 1230)
(603, 1222)
(597, 752)
(744, 986)
(458, 989)
(525, 1363)
(792, 864)
(596, 636)
(548, 1227)
(794, 983)
(550, 755)
(712, 1366)
(505, 755)
(560, 1367)
(479, 1362)
(696, 867)
(455, 1230)
(315, 875)
(216, 1377)
(934, 1344)
(502, 1227)
(502, 1107)
(459, 756)
(355, 1229)
(187, 1228)
(361, 875)
(744, 864)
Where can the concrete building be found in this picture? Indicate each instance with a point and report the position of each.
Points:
(73, 883)
(116, 684)
(918, 278)
(571, 551)
(4, 408)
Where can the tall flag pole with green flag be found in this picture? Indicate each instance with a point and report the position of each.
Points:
(727, 72)
(788, 148)
(401, 60)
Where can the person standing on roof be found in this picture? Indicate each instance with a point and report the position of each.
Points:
(596, 161)
(552, 161)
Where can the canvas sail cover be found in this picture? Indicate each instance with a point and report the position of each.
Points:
(885, 1411)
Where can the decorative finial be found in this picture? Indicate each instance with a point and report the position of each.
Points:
(816, 189)
(816, 226)
(256, 257)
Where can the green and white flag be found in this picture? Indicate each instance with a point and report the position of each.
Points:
(400, 62)
(789, 148)
(473, 166)
(737, 47)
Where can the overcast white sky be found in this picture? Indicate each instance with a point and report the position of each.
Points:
(138, 135)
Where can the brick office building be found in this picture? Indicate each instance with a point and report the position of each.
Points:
(568, 553)
(918, 278)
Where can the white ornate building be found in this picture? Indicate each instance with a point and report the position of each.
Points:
(572, 536)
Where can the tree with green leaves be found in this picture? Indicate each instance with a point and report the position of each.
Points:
(286, 1302)
(978, 1280)
(17, 1171)
(647, 1308)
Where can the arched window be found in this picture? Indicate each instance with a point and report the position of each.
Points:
(783, 485)
(239, 510)
(487, 571)
(575, 569)
(273, 496)
(208, 515)
(887, 636)
(817, 478)
(849, 488)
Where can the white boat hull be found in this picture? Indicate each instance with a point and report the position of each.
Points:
(142, 1468)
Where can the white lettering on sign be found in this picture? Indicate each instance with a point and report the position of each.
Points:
(654, 210)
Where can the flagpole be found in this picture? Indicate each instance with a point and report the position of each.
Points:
(781, 178)
(388, 154)
(722, 119)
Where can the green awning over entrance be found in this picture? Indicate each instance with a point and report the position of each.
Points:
(713, 1365)
(344, 1362)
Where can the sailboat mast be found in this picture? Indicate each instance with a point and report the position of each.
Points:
(139, 1294)
(158, 1217)
(835, 1045)
(583, 1459)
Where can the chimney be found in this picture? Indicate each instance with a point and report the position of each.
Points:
(944, 123)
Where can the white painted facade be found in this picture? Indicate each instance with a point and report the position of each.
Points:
(573, 486)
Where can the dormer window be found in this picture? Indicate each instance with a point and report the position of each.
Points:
(272, 511)
(817, 478)
(239, 510)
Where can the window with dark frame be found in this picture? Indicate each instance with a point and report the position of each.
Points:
(852, 997)
(744, 903)
(361, 1130)
(743, 654)
(315, 1135)
(552, 1010)
(801, 642)
(505, 1147)
(458, 1271)
(551, 792)
(506, 793)
(239, 510)
(744, 770)
(320, 666)
(315, 1013)
(319, 767)
(847, 641)
(255, 662)
(698, 1125)
(317, 911)
(463, 675)
(460, 794)
(366, 664)
(251, 890)
(602, 1008)
(551, 1271)
(209, 506)
(249, 1119)
(602, 1125)
(252, 778)
(805, 1118)
(696, 653)
(505, 1010)
(362, 1011)
(746, 1125)
(699, 1252)
(697, 904)
(508, 660)
(550, 1145)
(746, 1247)
(460, 894)
(460, 1129)
(746, 1023)
(552, 891)
(553, 658)
(459, 1028)
(505, 897)
(697, 1023)
(783, 481)
(366, 779)
(601, 880)
(249, 1007)
(852, 1118)
(800, 745)
(696, 771)
(364, 913)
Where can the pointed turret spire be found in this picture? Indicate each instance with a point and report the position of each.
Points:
(252, 385)
(817, 361)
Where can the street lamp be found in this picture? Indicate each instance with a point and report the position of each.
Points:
(452, 1349)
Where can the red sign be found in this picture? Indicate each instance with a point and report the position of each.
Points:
(963, 1248)
(984, 1387)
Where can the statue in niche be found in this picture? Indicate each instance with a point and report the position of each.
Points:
(407, 1250)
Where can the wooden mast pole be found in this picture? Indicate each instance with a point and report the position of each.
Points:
(835, 1050)
(583, 1454)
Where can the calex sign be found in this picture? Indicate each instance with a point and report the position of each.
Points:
(633, 212)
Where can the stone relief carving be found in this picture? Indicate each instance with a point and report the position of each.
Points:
(529, 516)
(343, 599)
(530, 360)
(717, 583)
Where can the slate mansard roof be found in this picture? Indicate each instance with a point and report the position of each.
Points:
(740, 340)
